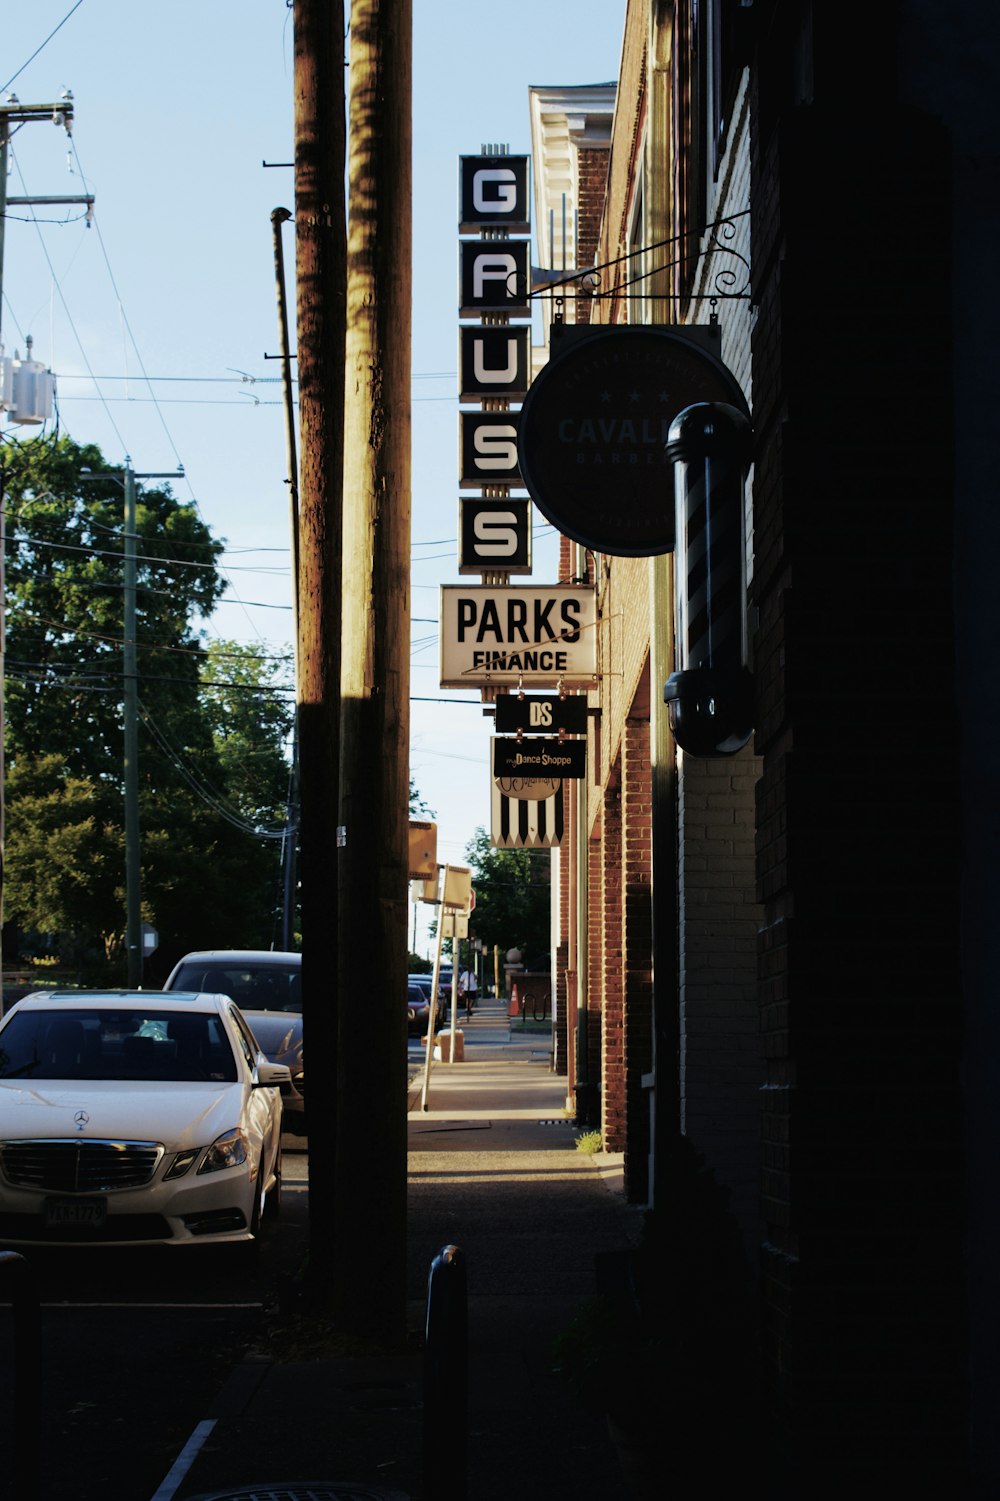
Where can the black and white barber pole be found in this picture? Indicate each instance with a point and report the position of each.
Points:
(710, 695)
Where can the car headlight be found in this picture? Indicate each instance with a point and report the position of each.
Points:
(228, 1150)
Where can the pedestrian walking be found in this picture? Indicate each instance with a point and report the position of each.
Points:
(468, 988)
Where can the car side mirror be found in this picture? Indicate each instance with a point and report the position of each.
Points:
(272, 1075)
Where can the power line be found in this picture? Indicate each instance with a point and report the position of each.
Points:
(41, 46)
(147, 677)
(201, 788)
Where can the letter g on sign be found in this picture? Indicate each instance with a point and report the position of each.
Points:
(485, 198)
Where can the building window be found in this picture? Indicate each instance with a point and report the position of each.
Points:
(638, 256)
(725, 27)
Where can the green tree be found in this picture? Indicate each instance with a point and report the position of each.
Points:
(512, 897)
(418, 806)
(65, 858)
(65, 593)
(247, 695)
(207, 877)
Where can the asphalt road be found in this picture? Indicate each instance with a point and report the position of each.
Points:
(135, 1345)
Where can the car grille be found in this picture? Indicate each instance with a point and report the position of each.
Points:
(79, 1166)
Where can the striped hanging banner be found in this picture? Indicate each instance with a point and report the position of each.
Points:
(526, 823)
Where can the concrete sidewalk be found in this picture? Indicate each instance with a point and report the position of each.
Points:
(493, 1169)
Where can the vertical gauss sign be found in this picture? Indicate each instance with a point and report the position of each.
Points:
(493, 362)
(493, 278)
(494, 534)
(487, 449)
(493, 194)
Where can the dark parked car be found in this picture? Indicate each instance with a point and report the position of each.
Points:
(418, 1008)
(267, 987)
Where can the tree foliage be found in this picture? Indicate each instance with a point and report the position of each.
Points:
(247, 698)
(212, 724)
(419, 807)
(512, 897)
(65, 595)
(65, 852)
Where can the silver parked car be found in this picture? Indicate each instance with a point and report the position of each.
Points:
(267, 987)
(135, 1118)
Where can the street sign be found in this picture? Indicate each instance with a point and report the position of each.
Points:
(454, 924)
(487, 449)
(493, 277)
(423, 850)
(541, 713)
(494, 534)
(528, 789)
(457, 887)
(539, 636)
(539, 758)
(493, 194)
(525, 823)
(493, 362)
(593, 432)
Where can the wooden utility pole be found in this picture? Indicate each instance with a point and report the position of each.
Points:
(375, 678)
(320, 245)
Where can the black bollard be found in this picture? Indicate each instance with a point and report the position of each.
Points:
(446, 1379)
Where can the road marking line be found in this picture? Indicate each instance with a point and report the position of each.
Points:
(184, 1461)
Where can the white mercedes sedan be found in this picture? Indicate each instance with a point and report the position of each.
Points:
(135, 1118)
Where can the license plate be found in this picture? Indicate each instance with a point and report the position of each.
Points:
(83, 1214)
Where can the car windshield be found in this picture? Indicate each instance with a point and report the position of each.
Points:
(116, 1044)
(254, 987)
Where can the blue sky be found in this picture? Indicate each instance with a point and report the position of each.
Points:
(176, 108)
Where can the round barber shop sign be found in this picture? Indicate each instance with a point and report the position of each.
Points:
(593, 431)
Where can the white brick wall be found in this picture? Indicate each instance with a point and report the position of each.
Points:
(719, 918)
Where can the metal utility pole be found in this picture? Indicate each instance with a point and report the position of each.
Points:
(130, 695)
(13, 112)
(126, 477)
(133, 857)
(320, 253)
(375, 679)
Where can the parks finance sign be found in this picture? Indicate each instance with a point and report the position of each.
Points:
(503, 636)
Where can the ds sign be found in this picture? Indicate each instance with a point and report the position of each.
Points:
(541, 713)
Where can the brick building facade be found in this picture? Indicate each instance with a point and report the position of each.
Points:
(786, 957)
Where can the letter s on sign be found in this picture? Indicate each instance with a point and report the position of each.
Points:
(496, 447)
(569, 613)
(503, 199)
(495, 533)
